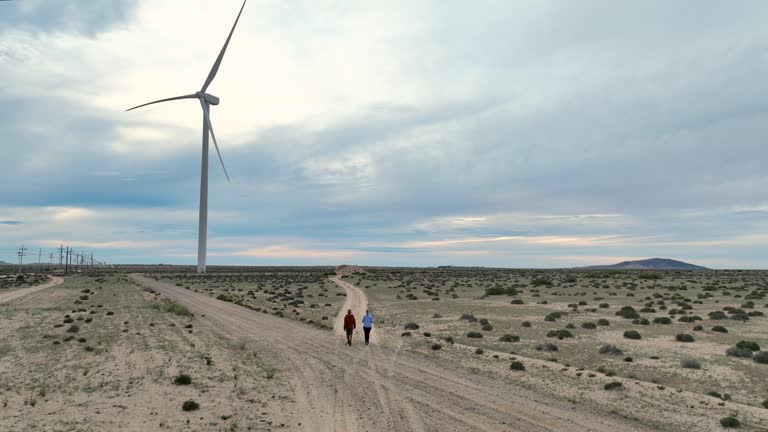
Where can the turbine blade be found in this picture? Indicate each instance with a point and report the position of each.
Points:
(217, 63)
(190, 96)
(213, 135)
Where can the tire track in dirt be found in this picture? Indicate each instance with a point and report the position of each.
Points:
(13, 295)
(373, 388)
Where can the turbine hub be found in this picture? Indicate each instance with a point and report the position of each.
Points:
(211, 99)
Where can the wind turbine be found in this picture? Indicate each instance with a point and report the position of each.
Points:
(206, 100)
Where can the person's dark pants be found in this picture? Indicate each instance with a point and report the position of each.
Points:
(349, 336)
(367, 331)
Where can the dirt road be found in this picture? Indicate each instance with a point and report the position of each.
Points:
(373, 388)
(13, 295)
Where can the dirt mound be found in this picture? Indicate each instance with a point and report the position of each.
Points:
(344, 269)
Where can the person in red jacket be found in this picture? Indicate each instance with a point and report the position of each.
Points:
(349, 325)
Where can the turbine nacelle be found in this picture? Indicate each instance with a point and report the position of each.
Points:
(211, 99)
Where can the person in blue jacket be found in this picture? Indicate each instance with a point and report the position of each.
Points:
(367, 325)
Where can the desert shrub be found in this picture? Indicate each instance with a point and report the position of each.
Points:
(717, 315)
(190, 405)
(517, 302)
(662, 320)
(517, 365)
(628, 312)
(738, 352)
(554, 316)
(603, 322)
(541, 281)
(765, 403)
(510, 338)
(73, 329)
(604, 305)
(546, 347)
(690, 364)
(182, 379)
(614, 385)
(427, 334)
(684, 337)
(89, 348)
(225, 297)
(468, 317)
(411, 326)
(730, 422)
(632, 334)
(437, 315)
(526, 324)
(628, 359)
(475, 335)
(449, 339)
(562, 334)
(177, 309)
(641, 321)
(698, 328)
(405, 334)
(752, 346)
(719, 329)
(487, 327)
(436, 347)
(82, 340)
(500, 291)
(761, 357)
(610, 349)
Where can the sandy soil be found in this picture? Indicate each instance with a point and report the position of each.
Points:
(12, 295)
(382, 388)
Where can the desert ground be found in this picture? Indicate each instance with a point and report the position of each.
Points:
(457, 349)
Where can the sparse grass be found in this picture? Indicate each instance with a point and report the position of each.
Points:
(177, 309)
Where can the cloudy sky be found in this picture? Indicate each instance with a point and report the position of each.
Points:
(518, 134)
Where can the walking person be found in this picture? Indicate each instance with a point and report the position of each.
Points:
(349, 325)
(367, 325)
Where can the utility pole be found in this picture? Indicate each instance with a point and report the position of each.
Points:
(61, 255)
(50, 259)
(39, 259)
(66, 262)
(22, 253)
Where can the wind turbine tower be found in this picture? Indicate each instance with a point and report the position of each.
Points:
(206, 100)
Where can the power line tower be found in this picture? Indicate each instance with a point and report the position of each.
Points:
(21, 253)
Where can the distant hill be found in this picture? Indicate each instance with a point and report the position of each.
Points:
(649, 264)
(3, 263)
